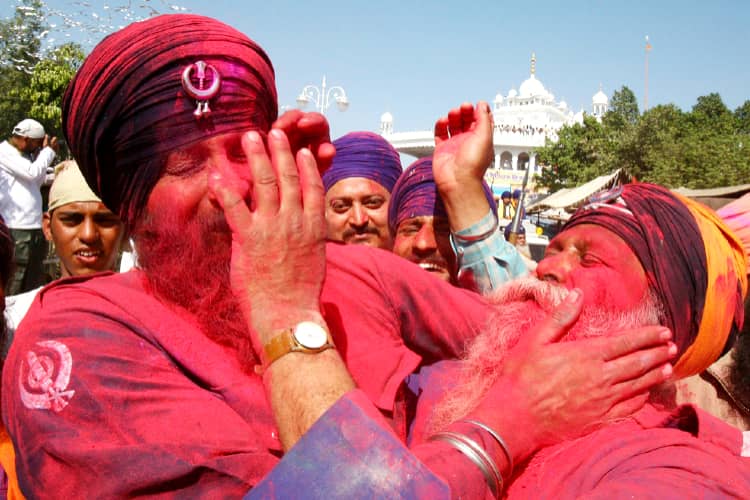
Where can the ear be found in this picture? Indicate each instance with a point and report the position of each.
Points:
(47, 226)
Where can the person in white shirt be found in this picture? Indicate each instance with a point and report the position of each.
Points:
(24, 160)
(86, 235)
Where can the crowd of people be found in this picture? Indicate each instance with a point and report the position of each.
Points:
(309, 320)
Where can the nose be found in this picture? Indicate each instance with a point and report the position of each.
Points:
(556, 267)
(358, 216)
(424, 241)
(88, 232)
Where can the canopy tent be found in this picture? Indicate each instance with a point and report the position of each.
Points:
(715, 197)
(571, 198)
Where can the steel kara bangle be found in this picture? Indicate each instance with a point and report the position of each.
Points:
(477, 455)
(497, 438)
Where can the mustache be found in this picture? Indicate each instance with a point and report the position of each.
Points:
(544, 293)
(356, 231)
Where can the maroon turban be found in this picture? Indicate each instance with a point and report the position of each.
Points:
(127, 107)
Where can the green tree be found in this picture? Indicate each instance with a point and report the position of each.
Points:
(20, 42)
(623, 110)
(21, 37)
(578, 156)
(742, 118)
(49, 79)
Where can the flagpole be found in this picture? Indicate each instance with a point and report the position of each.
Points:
(645, 98)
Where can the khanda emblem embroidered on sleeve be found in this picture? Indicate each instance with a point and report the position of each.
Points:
(201, 81)
(45, 376)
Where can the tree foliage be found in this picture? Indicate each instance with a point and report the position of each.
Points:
(703, 148)
(32, 81)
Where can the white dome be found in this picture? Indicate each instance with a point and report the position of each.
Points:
(600, 98)
(512, 93)
(532, 87)
(386, 118)
(563, 105)
(499, 98)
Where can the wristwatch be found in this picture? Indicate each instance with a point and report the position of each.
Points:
(307, 337)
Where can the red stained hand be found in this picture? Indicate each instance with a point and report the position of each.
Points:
(278, 245)
(561, 390)
(463, 147)
(308, 130)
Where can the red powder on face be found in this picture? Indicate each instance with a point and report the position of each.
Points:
(186, 264)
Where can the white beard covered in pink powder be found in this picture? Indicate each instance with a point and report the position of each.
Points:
(520, 305)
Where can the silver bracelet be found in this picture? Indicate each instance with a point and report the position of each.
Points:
(497, 438)
(478, 456)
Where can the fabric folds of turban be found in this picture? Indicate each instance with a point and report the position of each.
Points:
(364, 154)
(415, 195)
(126, 108)
(693, 262)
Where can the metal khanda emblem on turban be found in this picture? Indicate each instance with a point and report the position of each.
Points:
(199, 70)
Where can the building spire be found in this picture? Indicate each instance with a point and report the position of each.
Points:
(533, 63)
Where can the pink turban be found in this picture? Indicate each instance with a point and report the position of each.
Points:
(128, 105)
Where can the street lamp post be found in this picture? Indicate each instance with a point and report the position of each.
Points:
(322, 97)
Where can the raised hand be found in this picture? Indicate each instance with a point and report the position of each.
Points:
(308, 130)
(463, 152)
(278, 245)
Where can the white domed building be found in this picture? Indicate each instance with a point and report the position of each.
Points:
(524, 119)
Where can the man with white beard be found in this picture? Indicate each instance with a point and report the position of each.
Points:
(675, 264)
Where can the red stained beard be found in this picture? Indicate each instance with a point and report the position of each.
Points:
(521, 304)
(186, 264)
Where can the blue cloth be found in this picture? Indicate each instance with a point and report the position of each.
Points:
(348, 454)
(486, 264)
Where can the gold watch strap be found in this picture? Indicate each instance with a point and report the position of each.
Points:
(284, 342)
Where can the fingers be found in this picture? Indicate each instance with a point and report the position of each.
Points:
(288, 121)
(455, 121)
(286, 168)
(265, 186)
(467, 116)
(559, 322)
(441, 130)
(637, 364)
(324, 156)
(632, 340)
(643, 384)
(483, 121)
(230, 197)
(313, 192)
(308, 130)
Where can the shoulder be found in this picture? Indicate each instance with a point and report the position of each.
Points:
(16, 307)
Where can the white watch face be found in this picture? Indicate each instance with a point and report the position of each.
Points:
(310, 335)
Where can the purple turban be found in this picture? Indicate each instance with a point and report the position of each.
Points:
(364, 154)
(415, 195)
(138, 95)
